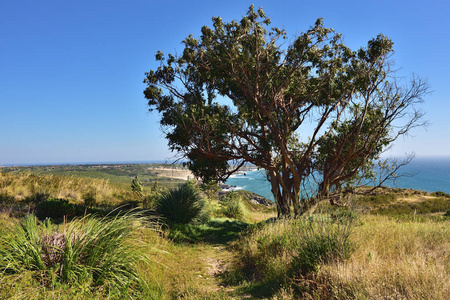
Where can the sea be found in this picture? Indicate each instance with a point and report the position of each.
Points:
(428, 174)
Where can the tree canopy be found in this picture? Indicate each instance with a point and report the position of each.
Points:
(302, 108)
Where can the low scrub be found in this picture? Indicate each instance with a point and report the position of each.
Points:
(233, 207)
(440, 194)
(274, 253)
(428, 206)
(379, 200)
(97, 255)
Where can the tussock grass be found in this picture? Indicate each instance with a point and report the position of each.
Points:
(182, 205)
(233, 206)
(96, 255)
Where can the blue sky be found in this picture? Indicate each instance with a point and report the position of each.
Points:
(71, 71)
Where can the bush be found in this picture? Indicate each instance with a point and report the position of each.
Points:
(232, 206)
(38, 197)
(89, 198)
(6, 199)
(56, 209)
(440, 194)
(86, 252)
(182, 205)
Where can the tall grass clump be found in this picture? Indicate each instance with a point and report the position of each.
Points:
(87, 253)
(182, 205)
(275, 253)
(233, 207)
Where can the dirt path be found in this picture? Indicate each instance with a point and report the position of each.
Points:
(197, 273)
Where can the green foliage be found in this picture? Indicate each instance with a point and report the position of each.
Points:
(38, 197)
(88, 252)
(136, 186)
(59, 210)
(182, 205)
(6, 199)
(149, 200)
(210, 188)
(90, 198)
(318, 247)
(232, 206)
(440, 194)
(273, 88)
(56, 209)
(378, 200)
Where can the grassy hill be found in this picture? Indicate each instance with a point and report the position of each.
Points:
(117, 174)
(390, 244)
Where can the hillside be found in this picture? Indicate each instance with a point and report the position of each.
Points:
(391, 244)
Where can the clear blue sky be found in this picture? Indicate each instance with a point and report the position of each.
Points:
(71, 71)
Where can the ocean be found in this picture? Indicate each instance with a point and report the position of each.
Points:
(431, 175)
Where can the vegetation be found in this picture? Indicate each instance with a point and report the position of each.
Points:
(88, 253)
(347, 252)
(310, 107)
(277, 252)
(119, 175)
(233, 207)
(136, 187)
(182, 205)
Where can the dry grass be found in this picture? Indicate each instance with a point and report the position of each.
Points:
(26, 185)
(394, 260)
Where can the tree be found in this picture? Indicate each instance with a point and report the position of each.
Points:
(136, 187)
(210, 188)
(310, 109)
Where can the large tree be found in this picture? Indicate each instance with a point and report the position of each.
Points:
(300, 108)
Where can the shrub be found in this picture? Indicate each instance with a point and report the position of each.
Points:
(89, 198)
(232, 206)
(56, 209)
(440, 194)
(136, 187)
(182, 205)
(85, 252)
(377, 200)
(38, 197)
(6, 199)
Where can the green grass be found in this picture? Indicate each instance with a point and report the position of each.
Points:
(272, 254)
(233, 206)
(428, 206)
(223, 258)
(119, 175)
(98, 255)
(216, 231)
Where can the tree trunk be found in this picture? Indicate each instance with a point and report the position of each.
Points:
(282, 202)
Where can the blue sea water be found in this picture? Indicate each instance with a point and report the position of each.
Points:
(431, 175)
